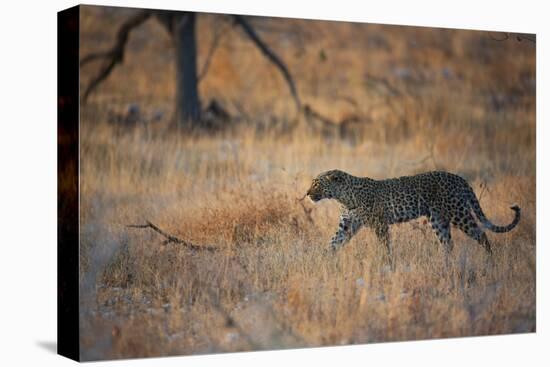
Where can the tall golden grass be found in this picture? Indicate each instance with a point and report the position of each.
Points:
(462, 102)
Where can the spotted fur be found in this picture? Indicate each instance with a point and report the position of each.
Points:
(442, 197)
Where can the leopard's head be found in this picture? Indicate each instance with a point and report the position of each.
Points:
(329, 185)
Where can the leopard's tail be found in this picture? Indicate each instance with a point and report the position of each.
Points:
(474, 204)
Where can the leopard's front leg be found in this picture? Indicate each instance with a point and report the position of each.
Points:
(349, 224)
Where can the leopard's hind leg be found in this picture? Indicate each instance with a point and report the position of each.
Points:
(469, 226)
(442, 229)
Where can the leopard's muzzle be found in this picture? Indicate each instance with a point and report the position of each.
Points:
(314, 194)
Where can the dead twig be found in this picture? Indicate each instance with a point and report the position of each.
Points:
(383, 85)
(484, 188)
(432, 155)
(418, 227)
(173, 239)
(307, 211)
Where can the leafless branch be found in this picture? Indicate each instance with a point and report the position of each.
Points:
(519, 37)
(115, 55)
(350, 100)
(219, 33)
(528, 37)
(380, 82)
(173, 239)
(309, 112)
(484, 188)
(504, 38)
(271, 56)
(319, 123)
(94, 56)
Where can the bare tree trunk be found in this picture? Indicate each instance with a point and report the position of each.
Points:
(181, 26)
(188, 107)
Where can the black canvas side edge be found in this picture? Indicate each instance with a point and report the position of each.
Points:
(68, 26)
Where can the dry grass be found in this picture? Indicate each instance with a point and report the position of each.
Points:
(465, 103)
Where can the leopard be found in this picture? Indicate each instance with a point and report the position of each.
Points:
(442, 197)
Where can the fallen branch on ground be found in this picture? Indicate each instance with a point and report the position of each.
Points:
(173, 239)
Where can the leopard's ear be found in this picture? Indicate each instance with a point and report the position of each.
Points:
(334, 177)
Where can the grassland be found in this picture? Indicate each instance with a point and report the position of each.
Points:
(425, 99)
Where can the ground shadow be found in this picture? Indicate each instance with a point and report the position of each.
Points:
(50, 346)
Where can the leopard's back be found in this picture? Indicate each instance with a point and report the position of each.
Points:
(409, 197)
